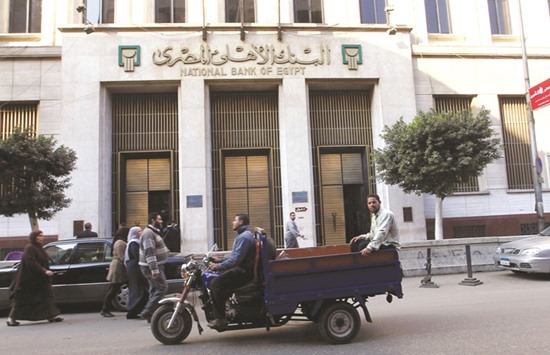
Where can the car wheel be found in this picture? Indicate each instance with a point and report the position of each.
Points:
(120, 302)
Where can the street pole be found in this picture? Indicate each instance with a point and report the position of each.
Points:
(534, 152)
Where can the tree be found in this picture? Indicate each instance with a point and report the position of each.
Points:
(435, 152)
(34, 176)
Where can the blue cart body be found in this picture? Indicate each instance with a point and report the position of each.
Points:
(311, 276)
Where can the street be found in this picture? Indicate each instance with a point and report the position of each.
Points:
(507, 314)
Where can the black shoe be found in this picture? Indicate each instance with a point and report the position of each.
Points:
(146, 317)
(55, 320)
(12, 323)
(107, 314)
(218, 324)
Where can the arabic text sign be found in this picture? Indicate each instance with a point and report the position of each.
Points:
(540, 95)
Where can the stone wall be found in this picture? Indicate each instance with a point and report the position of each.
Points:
(449, 256)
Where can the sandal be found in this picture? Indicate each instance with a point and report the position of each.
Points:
(12, 323)
(55, 320)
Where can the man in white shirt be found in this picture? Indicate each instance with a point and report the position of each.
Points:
(383, 230)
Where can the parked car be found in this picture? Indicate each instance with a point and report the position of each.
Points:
(526, 255)
(80, 269)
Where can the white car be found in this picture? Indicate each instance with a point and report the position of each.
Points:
(527, 255)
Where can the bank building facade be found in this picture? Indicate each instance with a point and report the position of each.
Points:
(201, 109)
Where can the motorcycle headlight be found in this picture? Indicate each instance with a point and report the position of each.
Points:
(530, 251)
(185, 275)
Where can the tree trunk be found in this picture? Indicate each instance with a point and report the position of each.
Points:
(438, 218)
(33, 220)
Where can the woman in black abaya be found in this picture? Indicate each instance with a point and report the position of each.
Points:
(31, 290)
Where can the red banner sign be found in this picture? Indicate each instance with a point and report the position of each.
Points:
(540, 95)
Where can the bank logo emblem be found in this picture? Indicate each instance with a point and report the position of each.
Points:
(129, 57)
(352, 55)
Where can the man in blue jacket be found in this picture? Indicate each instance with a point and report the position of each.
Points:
(237, 270)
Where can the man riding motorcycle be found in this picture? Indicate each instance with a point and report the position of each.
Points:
(237, 270)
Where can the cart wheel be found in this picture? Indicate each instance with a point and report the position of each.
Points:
(339, 323)
(179, 330)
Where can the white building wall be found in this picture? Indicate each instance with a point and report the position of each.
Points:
(407, 70)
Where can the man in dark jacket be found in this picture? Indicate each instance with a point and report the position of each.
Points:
(87, 232)
(237, 270)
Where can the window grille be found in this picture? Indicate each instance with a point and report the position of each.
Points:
(340, 120)
(457, 104)
(246, 124)
(144, 126)
(23, 116)
(17, 116)
(469, 232)
(516, 142)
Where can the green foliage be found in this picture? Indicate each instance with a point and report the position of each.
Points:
(34, 175)
(436, 151)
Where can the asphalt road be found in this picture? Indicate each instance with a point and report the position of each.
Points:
(507, 314)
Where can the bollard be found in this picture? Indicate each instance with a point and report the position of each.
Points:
(427, 280)
(470, 280)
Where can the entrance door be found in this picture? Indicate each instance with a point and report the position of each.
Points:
(147, 188)
(343, 196)
(247, 189)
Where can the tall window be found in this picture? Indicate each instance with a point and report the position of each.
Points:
(499, 15)
(457, 104)
(308, 11)
(437, 16)
(373, 11)
(20, 16)
(16, 116)
(516, 142)
(235, 9)
(100, 11)
(170, 11)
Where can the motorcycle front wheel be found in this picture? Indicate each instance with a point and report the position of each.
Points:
(180, 329)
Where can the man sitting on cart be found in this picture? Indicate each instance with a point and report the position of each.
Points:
(237, 270)
(383, 230)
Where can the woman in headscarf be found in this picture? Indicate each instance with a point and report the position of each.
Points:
(137, 285)
(31, 290)
(116, 276)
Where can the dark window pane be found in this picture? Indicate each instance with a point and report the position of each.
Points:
(232, 11)
(368, 14)
(162, 11)
(431, 16)
(35, 16)
(108, 11)
(443, 16)
(179, 11)
(316, 11)
(308, 11)
(18, 16)
(437, 16)
(249, 11)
